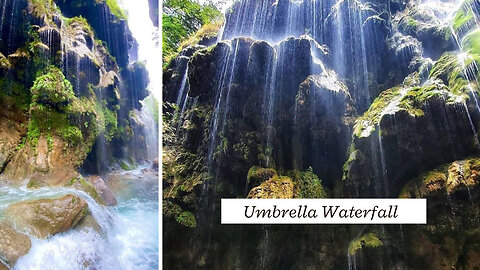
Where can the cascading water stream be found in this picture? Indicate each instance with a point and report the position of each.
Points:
(128, 236)
(145, 33)
(128, 232)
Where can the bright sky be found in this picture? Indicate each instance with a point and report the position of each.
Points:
(144, 32)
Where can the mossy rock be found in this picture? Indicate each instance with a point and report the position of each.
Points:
(81, 184)
(308, 184)
(463, 17)
(257, 175)
(13, 245)
(450, 68)
(52, 88)
(369, 240)
(277, 187)
(444, 180)
(432, 182)
(55, 110)
(411, 97)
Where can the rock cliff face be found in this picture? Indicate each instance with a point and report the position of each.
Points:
(326, 98)
(69, 90)
(72, 98)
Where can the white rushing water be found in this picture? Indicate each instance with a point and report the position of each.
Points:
(147, 36)
(129, 230)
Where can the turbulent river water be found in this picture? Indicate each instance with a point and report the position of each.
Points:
(128, 238)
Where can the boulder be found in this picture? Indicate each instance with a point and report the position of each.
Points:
(155, 164)
(274, 188)
(420, 127)
(45, 217)
(448, 179)
(13, 245)
(257, 175)
(88, 221)
(105, 192)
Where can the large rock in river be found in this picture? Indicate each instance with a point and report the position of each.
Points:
(46, 217)
(13, 245)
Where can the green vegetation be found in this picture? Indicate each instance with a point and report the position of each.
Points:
(81, 21)
(181, 19)
(184, 171)
(463, 16)
(277, 187)
(14, 93)
(54, 109)
(208, 30)
(81, 184)
(107, 121)
(257, 175)
(110, 123)
(187, 219)
(450, 69)
(411, 98)
(471, 43)
(308, 185)
(367, 240)
(366, 123)
(52, 88)
(115, 9)
(44, 9)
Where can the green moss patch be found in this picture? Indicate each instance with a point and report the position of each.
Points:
(369, 240)
(115, 9)
(471, 42)
(450, 68)
(308, 184)
(55, 110)
(81, 184)
(463, 16)
(257, 175)
(44, 9)
(187, 219)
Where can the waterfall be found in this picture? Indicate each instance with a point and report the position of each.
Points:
(146, 34)
(285, 87)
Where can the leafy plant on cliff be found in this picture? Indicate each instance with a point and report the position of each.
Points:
(308, 185)
(52, 88)
(187, 219)
(44, 9)
(182, 18)
(367, 240)
(115, 9)
(55, 110)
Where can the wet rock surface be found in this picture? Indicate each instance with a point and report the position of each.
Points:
(46, 217)
(13, 245)
(102, 190)
(314, 99)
